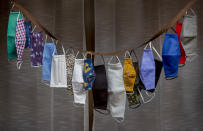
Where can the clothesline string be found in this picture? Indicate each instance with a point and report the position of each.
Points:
(155, 36)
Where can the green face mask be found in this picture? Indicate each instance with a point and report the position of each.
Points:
(11, 34)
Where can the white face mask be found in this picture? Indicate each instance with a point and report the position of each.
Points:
(116, 90)
(189, 35)
(77, 82)
(58, 70)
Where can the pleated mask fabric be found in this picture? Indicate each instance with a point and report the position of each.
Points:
(189, 35)
(88, 74)
(70, 60)
(78, 82)
(47, 60)
(178, 32)
(100, 88)
(171, 55)
(11, 34)
(58, 70)
(147, 69)
(116, 90)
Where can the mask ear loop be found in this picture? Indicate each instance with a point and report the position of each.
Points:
(70, 49)
(127, 53)
(112, 59)
(18, 15)
(145, 102)
(19, 65)
(133, 52)
(33, 29)
(156, 52)
(12, 6)
(46, 39)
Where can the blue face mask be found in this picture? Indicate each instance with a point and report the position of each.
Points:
(171, 55)
(28, 30)
(147, 69)
(47, 60)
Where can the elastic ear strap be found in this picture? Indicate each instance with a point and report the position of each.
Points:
(19, 65)
(112, 59)
(134, 54)
(12, 6)
(193, 11)
(76, 54)
(103, 58)
(53, 40)
(34, 28)
(145, 102)
(46, 39)
(127, 52)
(146, 46)
(150, 45)
(63, 49)
(18, 15)
(157, 53)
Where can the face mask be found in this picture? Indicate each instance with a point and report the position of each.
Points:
(171, 55)
(47, 60)
(134, 97)
(58, 70)
(178, 32)
(189, 36)
(20, 40)
(11, 34)
(100, 89)
(36, 48)
(28, 29)
(129, 74)
(70, 60)
(78, 81)
(88, 74)
(116, 90)
(147, 69)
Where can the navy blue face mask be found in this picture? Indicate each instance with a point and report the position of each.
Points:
(171, 55)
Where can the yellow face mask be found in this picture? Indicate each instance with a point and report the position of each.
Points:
(129, 74)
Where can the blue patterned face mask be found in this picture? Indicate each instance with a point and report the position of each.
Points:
(88, 74)
(171, 55)
(147, 69)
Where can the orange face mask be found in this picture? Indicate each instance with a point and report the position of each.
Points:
(129, 74)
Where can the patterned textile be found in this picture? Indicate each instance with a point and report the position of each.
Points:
(88, 74)
(70, 60)
(134, 99)
(36, 48)
(20, 39)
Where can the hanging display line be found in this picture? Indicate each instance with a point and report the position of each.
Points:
(156, 35)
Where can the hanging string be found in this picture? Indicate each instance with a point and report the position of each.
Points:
(155, 36)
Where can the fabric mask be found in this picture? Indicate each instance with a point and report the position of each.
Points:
(11, 34)
(78, 81)
(178, 32)
(28, 30)
(88, 74)
(129, 74)
(70, 60)
(36, 48)
(58, 70)
(20, 40)
(147, 69)
(100, 88)
(171, 55)
(189, 36)
(116, 90)
(47, 60)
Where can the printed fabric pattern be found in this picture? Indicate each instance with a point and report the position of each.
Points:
(20, 38)
(88, 74)
(36, 48)
(70, 61)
